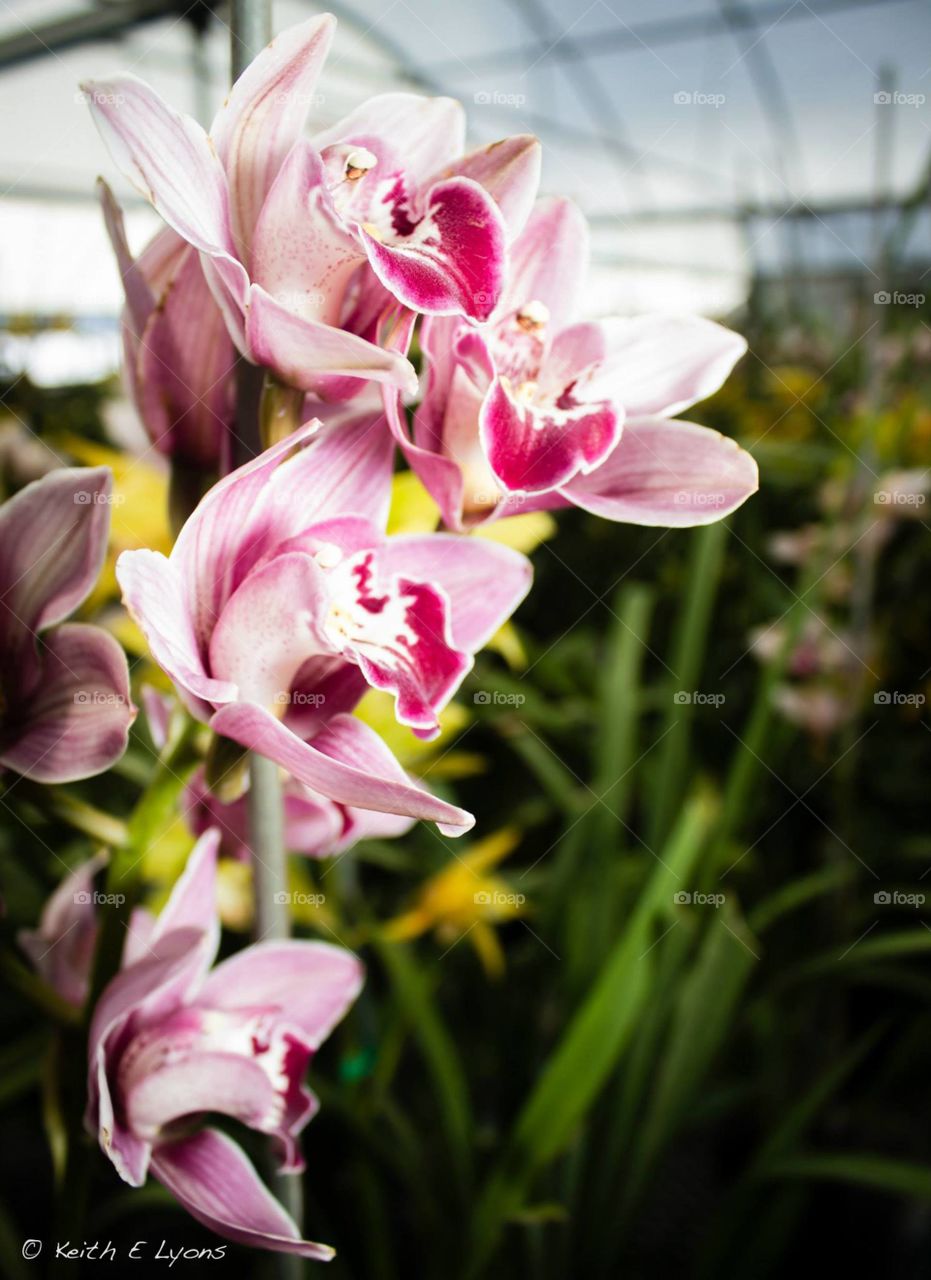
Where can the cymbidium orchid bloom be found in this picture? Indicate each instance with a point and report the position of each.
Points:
(177, 354)
(283, 600)
(173, 1038)
(62, 947)
(291, 231)
(539, 409)
(313, 825)
(65, 707)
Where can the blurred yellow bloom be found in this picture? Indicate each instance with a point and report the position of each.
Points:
(412, 509)
(377, 710)
(464, 900)
(139, 512)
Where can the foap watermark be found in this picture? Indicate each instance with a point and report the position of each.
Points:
(91, 898)
(300, 899)
(498, 98)
(686, 498)
(896, 898)
(495, 698)
(87, 498)
(899, 498)
(287, 97)
(498, 898)
(896, 698)
(100, 97)
(97, 698)
(692, 898)
(299, 698)
(689, 98)
(895, 98)
(897, 298)
(695, 698)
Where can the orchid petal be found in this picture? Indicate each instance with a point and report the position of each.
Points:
(62, 947)
(483, 581)
(301, 350)
(549, 260)
(53, 539)
(264, 116)
(449, 262)
(76, 722)
(346, 762)
(509, 171)
(309, 984)
(536, 448)
(143, 992)
(211, 1176)
(218, 544)
(269, 627)
(667, 473)
(302, 254)
(154, 596)
(170, 160)
(397, 630)
(192, 903)
(185, 364)
(659, 364)
(428, 132)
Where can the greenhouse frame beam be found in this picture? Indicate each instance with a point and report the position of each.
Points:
(87, 27)
(660, 31)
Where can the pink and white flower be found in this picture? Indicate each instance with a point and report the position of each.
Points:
(177, 355)
(283, 600)
(290, 231)
(540, 409)
(173, 1038)
(65, 707)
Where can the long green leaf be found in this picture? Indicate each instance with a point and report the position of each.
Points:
(592, 1043)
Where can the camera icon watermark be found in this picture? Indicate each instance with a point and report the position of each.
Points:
(685, 98)
(498, 98)
(895, 898)
(298, 698)
(695, 697)
(91, 898)
(498, 898)
(899, 498)
(894, 98)
(690, 898)
(895, 698)
(86, 498)
(299, 899)
(494, 698)
(898, 298)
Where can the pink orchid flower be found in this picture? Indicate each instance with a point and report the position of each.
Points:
(283, 600)
(177, 355)
(537, 409)
(62, 947)
(65, 707)
(172, 1039)
(313, 825)
(285, 227)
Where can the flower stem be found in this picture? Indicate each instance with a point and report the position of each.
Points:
(266, 830)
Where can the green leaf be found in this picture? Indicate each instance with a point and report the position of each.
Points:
(438, 1049)
(900, 1177)
(705, 1012)
(592, 1043)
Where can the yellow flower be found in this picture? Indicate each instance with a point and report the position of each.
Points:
(465, 901)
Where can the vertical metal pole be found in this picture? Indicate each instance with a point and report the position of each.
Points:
(251, 30)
